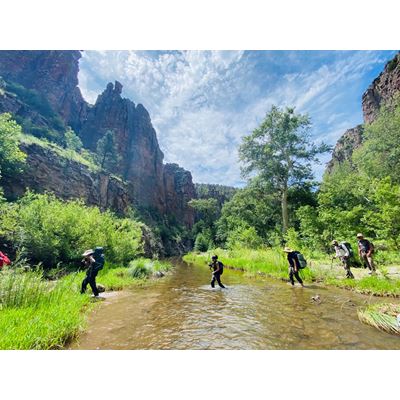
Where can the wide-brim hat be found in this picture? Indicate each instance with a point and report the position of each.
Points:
(287, 250)
(360, 235)
(88, 253)
(334, 242)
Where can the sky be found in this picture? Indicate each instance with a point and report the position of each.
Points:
(202, 103)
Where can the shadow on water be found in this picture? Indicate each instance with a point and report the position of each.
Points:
(181, 311)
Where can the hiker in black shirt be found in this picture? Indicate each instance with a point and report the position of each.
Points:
(365, 251)
(294, 266)
(217, 268)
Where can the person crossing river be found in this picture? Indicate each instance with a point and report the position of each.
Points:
(294, 265)
(218, 268)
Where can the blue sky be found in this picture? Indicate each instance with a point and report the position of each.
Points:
(203, 102)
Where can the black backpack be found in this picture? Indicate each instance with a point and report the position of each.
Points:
(347, 245)
(221, 267)
(99, 259)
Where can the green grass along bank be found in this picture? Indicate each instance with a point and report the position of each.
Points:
(272, 263)
(36, 313)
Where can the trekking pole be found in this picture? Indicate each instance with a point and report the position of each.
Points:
(332, 263)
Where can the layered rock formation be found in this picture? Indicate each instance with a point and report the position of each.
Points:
(382, 90)
(141, 160)
(345, 146)
(150, 185)
(179, 189)
(47, 171)
(54, 74)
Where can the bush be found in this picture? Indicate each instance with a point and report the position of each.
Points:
(54, 231)
(202, 242)
(244, 237)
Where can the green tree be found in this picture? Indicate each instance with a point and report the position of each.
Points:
(281, 152)
(379, 155)
(107, 151)
(72, 140)
(12, 158)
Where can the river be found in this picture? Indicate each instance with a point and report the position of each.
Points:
(181, 311)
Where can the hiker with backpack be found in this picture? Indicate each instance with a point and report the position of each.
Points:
(218, 269)
(94, 262)
(366, 251)
(344, 252)
(296, 262)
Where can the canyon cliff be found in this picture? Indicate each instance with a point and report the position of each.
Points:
(48, 80)
(381, 91)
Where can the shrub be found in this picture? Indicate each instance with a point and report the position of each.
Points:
(202, 242)
(53, 231)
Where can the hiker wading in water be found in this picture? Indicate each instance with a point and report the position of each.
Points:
(294, 266)
(365, 251)
(94, 262)
(343, 253)
(218, 269)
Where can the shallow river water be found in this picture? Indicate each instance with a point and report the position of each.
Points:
(181, 311)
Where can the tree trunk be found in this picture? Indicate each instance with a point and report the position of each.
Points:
(285, 216)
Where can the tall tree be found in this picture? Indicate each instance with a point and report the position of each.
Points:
(107, 151)
(281, 152)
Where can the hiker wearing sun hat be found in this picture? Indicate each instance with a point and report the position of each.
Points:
(294, 265)
(88, 262)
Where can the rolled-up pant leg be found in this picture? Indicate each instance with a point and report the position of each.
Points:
(368, 261)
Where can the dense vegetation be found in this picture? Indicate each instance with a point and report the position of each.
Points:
(50, 231)
(361, 194)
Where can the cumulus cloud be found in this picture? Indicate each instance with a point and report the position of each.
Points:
(203, 102)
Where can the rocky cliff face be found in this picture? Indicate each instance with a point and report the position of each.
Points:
(141, 161)
(54, 74)
(380, 92)
(149, 184)
(179, 189)
(382, 89)
(47, 171)
(345, 146)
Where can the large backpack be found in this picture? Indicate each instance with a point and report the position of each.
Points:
(221, 267)
(302, 261)
(347, 245)
(98, 256)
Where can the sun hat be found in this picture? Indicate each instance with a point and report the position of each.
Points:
(334, 242)
(88, 253)
(360, 235)
(287, 250)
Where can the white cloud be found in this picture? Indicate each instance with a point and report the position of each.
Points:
(203, 102)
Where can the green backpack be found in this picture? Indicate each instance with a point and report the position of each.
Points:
(302, 261)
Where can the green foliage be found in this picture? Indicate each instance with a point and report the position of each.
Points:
(281, 152)
(12, 159)
(244, 237)
(379, 155)
(72, 140)
(53, 231)
(107, 151)
(202, 242)
(37, 314)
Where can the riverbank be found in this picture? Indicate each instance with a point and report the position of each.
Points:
(36, 313)
(273, 263)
